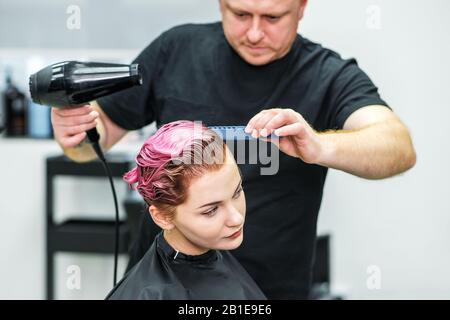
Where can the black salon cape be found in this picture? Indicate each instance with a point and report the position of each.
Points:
(162, 274)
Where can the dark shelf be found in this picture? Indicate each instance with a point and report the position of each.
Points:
(61, 165)
(94, 236)
(82, 235)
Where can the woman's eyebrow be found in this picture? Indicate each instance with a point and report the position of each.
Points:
(209, 204)
(217, 202)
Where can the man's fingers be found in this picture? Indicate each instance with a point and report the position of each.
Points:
(80, 128)
(251, 124)
(283, 118)
(278, 121)
(70, 124)
(275, 141)
(297, 129)
(72, 141)
(76, 120)
(283, 121)
(70, 112)
(261, 122)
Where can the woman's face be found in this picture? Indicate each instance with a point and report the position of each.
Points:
(213, 215)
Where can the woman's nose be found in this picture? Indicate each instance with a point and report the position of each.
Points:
(234, 217)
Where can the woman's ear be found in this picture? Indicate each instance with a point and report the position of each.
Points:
(160, 218)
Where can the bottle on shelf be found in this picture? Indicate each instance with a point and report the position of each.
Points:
(15, 110)
(39, 124)
(2, 116)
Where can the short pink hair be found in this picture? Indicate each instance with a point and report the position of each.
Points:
(161, 178)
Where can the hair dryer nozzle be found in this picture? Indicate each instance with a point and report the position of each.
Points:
(40, 83)
(33, 89)
(73, 83)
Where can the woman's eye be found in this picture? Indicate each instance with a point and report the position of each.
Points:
(211, 212)
(238, 193)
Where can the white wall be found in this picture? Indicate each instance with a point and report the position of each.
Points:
(399, 224)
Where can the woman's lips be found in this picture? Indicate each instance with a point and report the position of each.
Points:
(236, 234)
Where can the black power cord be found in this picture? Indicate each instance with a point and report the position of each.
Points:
(94, 138)
(116, 240)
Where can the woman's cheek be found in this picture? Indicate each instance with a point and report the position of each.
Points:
(242, 204)
(210, 228)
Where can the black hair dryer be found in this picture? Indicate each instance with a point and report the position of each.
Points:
(73, 83)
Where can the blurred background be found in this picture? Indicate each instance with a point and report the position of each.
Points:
(386, 239)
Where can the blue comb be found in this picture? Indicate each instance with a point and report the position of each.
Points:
(235, 133)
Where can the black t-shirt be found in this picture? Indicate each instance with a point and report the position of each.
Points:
(190, 72)
(165, 274)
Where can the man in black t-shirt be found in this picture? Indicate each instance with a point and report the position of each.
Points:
(254, 69)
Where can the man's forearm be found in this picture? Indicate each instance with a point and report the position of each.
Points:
(377, 151)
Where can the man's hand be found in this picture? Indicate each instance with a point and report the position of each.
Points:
(70, 125)
(374, 144)
(296, 137)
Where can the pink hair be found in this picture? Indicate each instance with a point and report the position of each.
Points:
(162, 173)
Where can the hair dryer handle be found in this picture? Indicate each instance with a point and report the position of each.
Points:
(93, 135)
(94, 139)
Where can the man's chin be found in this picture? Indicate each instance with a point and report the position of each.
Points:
(256, 59)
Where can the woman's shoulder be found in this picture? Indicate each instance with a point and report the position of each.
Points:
(150, 277)
(166, 291)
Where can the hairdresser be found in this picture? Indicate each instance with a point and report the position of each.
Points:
(253, 69)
